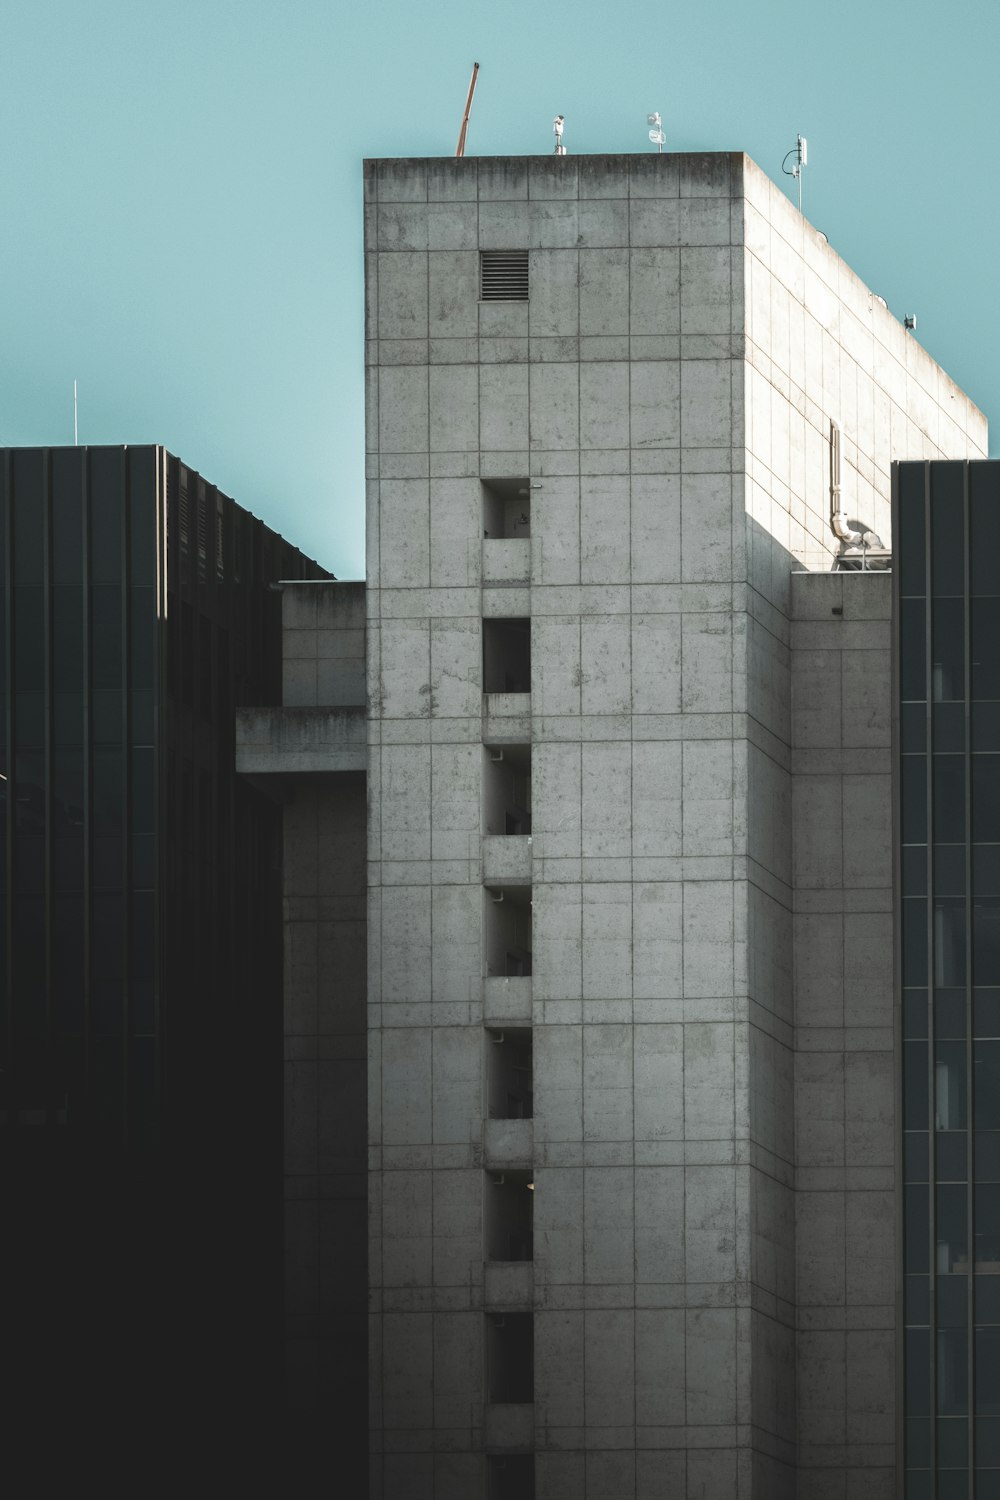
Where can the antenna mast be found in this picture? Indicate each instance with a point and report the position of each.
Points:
(76, 425)
(460, 148)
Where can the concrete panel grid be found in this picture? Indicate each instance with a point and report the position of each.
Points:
(712, 1153)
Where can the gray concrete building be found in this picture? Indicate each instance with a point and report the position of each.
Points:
(631, 1130)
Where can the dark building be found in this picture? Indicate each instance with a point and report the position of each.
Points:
(946, 527)
(141, 974)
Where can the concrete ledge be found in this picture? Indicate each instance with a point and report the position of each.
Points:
(286, 741)
(507, 561)
(508, 1285)
(509, 1143)
(506, 1002)
(510, 1427)
(506, 718)
(507, 859)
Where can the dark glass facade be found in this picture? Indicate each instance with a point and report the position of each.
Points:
(140, 1115)
(946, 531)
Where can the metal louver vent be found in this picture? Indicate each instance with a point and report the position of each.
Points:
(503, 275)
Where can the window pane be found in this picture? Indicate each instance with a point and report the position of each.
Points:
(987, 1227)
(913, 728)
(986, 1095)
(986, 941)
(987, 1345)
(949, 942)
(952, 1230)
(911, 540)
(952, 1372)
(917, 1372)
(949, 1086)
(984, 520)
(917, 1231)
(912, 650)
(947, 529)
(949, 799)
(985, 799)
(948, 651)
(914, 774)
(914, 919)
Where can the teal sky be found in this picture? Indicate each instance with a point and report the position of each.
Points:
(180, 192)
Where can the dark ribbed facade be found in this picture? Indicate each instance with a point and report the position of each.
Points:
(946, 528)
(141, 973)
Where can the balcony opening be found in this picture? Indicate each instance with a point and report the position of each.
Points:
(509, 1080)
(508, 1215)
(508, 931)
(507, 789)
(510, 1358)
(506, 509)
(507, 656)
(510, 1476)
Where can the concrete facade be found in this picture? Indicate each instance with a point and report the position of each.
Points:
(707, 820)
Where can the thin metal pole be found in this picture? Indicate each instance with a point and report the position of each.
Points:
(460, 148)
(76, 424)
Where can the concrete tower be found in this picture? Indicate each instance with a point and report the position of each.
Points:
(630, 1017)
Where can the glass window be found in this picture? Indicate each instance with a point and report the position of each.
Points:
(949, 1014)
(918, 1353)
(913, 728)
(952, 1301)
(987, 1222)
(914, 1014)
(914, 922)
(986, 940)
(952, 1372)
(917, 1230)
(949, 798)
(984, 523)
(28, 516)
(911, 478)
(949, 870)
(67, 639)
(985, 799)
(952, 1229)
(912, 650)
(67, 515)
(918, 1299)
(949, 1086)
(986, 1087)
(947, 529)
(106, 630)
(142, 514)
(29, 639)
(986, 1012)
(986, 726)
(987, 1345)
(986, 869)
(988, 1299)
(953, 1444)
(949, 727)
(949, 942)
(914, 775)
(952, 1159)
(916, 1155)
(948, 651)
(106, 474)
(985, 636)
(987, 1162)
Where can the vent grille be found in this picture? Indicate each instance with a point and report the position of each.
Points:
(503, 275)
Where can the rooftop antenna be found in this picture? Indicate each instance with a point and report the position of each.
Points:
(656, 134)
(801, 153)
(76, 423)
(557, 128)
(460, 148)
